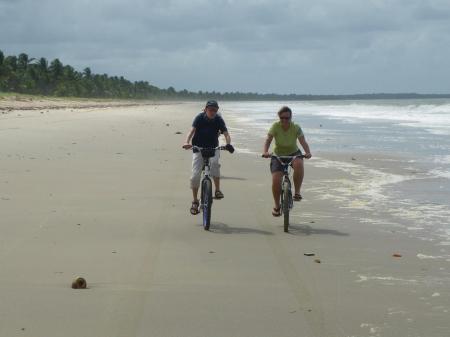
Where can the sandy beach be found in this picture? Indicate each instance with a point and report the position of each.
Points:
(17, 102)
(100, 190)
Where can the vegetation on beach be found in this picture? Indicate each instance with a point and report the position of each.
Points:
(25, 75)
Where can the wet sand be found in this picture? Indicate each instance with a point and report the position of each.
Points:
(102, 193)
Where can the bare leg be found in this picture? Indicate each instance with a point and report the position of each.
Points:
(217, 183)
(298, 174)
(276, 187)
(195, 193)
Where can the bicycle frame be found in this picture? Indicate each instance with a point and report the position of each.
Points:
(206, 200)
(206, 160)
(286, 171)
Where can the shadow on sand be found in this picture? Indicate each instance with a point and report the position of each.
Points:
(221, 228)
(308, 230)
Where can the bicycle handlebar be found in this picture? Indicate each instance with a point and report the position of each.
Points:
(227, 147)
(271, 155)
(287, 157)
(195, 147)
(280, 158)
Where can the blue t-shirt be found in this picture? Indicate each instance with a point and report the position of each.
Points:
(207, 130)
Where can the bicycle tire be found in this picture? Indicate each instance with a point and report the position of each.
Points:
(206, 203)
(286, 197)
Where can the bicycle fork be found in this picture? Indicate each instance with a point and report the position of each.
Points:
(286, 185)
(206, 173)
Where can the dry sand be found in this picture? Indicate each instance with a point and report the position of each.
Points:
(102, 193)
(16, 102)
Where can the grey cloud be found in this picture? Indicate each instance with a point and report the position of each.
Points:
(268, 46)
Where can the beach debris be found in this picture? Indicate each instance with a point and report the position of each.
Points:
(435, 295)
(79, 283)
(317, 261)
(178, 133)
(211, 252)
(396, 255)
(320, 125)
(167, 124)
(312, 222)
(353, 158)
(309, 254)
(114, 252)
(293, 311)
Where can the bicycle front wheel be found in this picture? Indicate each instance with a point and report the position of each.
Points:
(287, 196)
(206, 203)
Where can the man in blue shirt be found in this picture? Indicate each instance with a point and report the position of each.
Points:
(206, 128)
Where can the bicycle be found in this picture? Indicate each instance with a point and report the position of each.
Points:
(206, 198)
(286, 190)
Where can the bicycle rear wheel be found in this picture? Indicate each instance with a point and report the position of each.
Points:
(286, 199)
(206, 202)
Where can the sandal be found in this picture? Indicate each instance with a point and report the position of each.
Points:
(298, 197)
(276, 211)
(194, 208)
(218, 194)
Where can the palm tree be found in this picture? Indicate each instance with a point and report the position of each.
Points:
(22, 62)
(2, 77)
(43, 65)
(56, 69)
(42, 76)
(87, 72)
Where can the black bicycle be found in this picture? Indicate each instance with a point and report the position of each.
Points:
(286, 190)
(206, 196)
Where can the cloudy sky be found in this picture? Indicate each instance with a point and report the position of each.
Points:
(283, 46)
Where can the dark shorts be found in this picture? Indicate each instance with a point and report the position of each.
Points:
(275, 165)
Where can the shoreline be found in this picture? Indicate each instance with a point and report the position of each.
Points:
(105, 196)
(10, 101)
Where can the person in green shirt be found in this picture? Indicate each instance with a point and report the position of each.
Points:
(286, 133)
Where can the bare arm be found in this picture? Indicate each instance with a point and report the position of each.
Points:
(187, 144)
(227, 137)
(305, 146)
(267, 143)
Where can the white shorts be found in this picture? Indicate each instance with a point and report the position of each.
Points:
(197, 166)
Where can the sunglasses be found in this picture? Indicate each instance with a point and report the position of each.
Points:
(286, 118)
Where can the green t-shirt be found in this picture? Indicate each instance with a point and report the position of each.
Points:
(285, 140)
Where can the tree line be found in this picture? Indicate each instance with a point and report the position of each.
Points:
(26, 75)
